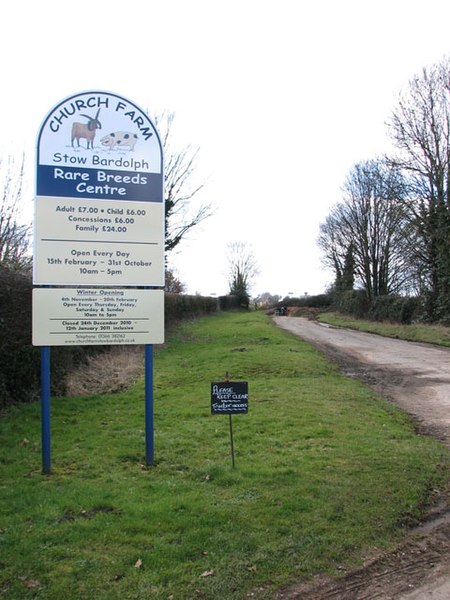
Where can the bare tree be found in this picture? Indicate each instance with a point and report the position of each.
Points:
(173, 284)
(242, 268)
(179, 189)
(14, 237)
(335, 245)
(420, 128)
(368, 232)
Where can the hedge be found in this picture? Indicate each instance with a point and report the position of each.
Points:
(20, 361)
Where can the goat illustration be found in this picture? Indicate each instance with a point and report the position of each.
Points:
(86, 131)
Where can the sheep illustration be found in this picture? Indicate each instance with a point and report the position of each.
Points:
(120, 139)
(86, 131)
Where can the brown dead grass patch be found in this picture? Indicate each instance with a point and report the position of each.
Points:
(112, 371)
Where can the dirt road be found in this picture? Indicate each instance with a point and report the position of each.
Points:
(417, 378)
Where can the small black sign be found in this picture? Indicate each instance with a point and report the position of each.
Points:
(229, 397)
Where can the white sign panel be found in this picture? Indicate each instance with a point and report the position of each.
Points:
(95, 316)
(85, 242)
(99, 188)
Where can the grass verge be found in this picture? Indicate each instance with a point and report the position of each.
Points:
(326, 473)
(430, 334)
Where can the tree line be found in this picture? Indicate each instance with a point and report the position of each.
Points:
(390, 233)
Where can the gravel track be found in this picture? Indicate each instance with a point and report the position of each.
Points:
(416, 377)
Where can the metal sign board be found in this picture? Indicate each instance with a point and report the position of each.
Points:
(98, 242)
(99, 210)
(96, 316)
(99, 221)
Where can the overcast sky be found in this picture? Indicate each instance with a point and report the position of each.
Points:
(282, 98)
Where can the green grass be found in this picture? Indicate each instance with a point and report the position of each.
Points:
(326, 472)
(430, 334)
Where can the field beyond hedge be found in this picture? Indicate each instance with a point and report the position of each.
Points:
(326, 473)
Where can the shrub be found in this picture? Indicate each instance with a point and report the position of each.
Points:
(19, 361)
(382, 307)
(180, 306)
(316, 301)
(397, 309)
(229, 302)
(352, 302)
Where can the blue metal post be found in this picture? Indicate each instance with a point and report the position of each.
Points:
(149, 428)
(45, 408)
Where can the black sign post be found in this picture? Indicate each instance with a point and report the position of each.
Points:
(229, 398)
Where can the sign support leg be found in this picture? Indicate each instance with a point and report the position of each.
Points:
(45, 409)
(149, 427)
(231, 439)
